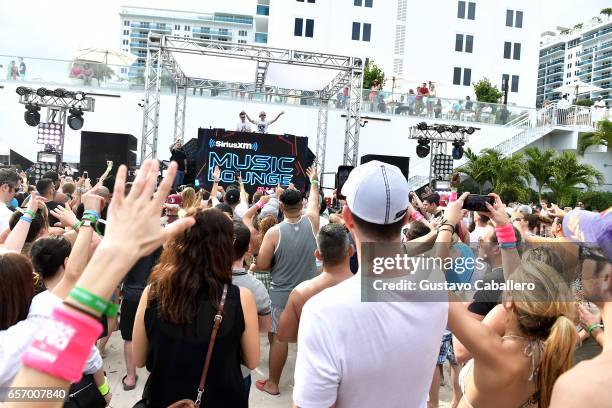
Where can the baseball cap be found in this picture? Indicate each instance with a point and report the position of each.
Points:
(525, 209)
(377, 192)
(590, 228)
(174, 199)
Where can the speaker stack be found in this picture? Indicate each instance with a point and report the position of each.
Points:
(402, 162)
(99, 147)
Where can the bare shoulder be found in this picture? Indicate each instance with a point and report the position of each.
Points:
(581, 386)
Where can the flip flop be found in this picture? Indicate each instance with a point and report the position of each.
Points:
(260, 386)
(129, 387)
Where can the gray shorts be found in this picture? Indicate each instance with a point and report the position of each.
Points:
(276, 313)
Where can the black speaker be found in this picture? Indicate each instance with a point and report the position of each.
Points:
(98, 147)
(402, 162)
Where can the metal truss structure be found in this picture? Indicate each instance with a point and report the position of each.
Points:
(57, 109)
(160, 57)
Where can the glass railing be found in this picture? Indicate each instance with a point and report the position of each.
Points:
(263, 10)
(91, 77)
(603, 56)
(261, 38)
(552, 50)
(208, 31)
(234, 19)
(589, 37)
(584, 62)
(606, 66)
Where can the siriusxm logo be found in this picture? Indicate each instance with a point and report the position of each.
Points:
(233, 145)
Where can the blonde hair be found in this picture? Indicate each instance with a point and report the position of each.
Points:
(546, 313)
(190, 199)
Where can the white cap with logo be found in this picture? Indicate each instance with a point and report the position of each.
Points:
(377, 192)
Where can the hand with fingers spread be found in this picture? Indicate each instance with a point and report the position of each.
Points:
(216, 174)
(36, 202)
(311, 172)
(588, 318)
(279, 190)
(497, 212)
(65, 216)
(555, 211)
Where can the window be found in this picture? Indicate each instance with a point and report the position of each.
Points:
(471, 11)
(461, 9)
(515, 83)
(400, 39)
(241, 41)
(177, 27)
(569, 65)
(297, 29)
(357, 3)
(457, 75)
(569, 74)
(242, 33)
(398, 66)
(469, 43)
(505, 80)
(507, 49)
(367, 31)
(459, 42)
(368, 3)
(514, 18)
(125, 42)
(467, 76)
(517, 51)
(311, 1)
(126, 23)
(309, 28)
(187, 28)
(126, 32)
(356, 30)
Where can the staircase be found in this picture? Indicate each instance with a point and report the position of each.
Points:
(521, 132)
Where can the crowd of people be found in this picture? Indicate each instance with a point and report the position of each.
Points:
(195, 276)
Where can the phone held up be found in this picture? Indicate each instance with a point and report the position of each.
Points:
(475, 202)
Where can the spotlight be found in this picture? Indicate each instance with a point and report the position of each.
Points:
(44, 92)
(422, 149)
(454, 129)
(422, 126)
(59, 93)
(51, 134)
(75, 120)
(458, 149)
(32, 115)
(22, 90)
(470, 130)
(79, 95)
(441, 129)
(442, 166)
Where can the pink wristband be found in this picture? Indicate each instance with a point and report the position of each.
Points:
(62, 345)
(416, 216)
(260, 204)
(505, 234)
(453, 197)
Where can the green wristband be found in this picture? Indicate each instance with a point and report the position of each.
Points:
(104, 388)
(77, 225)
(30, 213)
(593, 327)
(314, 182)
(94, 302)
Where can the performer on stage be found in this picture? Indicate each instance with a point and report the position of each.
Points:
(262, 124)
(179, 156)
(243, 125)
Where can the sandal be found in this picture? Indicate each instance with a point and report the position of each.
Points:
(129, 387)
(260, 384)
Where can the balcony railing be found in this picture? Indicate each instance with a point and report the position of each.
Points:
(209, 31)
(584, 62)
(234, 19)
(605, 66)
(604, 56)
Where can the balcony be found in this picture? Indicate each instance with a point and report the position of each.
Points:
(556, 71)
(234, 19)
(142, 35)
(263, 10)
(552, 50)
(162, 28)
(212, 32)
(604, 56)
(605, 77)
(586, 72)
(261, 38)
(554, 80)
(138, 44)
(140, 26)
(584, 62)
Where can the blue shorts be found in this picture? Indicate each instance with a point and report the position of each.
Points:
(446, 350)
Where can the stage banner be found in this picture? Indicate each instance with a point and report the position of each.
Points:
(262, 160)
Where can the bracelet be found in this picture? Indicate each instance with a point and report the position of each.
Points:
(81, 309)
(92, 212)
(86, 298)
(30, 213)
(260, 204)
(447, 224)
(593, 327)
(104, 388)
(508, 245)
(77, 225)
(26, 219)
(314, 182)
(505, 234)
(441, 228)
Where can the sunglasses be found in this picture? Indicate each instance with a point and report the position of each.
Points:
(594, 254)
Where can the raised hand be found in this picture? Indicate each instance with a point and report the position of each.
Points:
(65, 216)
(216, 174)
(497, 212)
(311, 172)
(93, 202)
(36, 202)
(452, 214)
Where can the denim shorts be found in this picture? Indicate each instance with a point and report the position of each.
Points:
(446, 350)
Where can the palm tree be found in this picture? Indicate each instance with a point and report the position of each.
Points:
(602, 136)
(607, 11)
(477, 167)
(568, 174)
(539, 165)
(510, 176)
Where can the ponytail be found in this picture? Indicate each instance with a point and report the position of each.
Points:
(558, 357)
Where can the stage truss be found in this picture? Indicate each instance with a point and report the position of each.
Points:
(160, 56)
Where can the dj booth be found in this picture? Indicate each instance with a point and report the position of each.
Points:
(262, 160)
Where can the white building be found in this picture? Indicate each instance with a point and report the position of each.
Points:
(244, 22)
(567, 56)
(449, 42)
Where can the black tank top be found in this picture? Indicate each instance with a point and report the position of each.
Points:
(176, 354)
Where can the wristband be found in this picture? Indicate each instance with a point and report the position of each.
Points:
(63, 343)
(508, 245)
(86, 298)
(312, 182)
(104, 388)
(453, 196)
(30, 213)
(505, 234)
(441, 228)
(77, 225)
(26, 219)
(444, 222)
(260, 204)
(92, 212)
(593, 327)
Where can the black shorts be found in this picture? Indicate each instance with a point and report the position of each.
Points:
(126, 322)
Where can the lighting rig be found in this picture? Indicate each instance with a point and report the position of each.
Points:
(63, 107)
(437, 137)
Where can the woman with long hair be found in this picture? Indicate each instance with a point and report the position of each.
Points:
(175, 318)
(190, 198)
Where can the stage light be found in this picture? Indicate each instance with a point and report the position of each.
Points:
(32, 115)
(454, 129)
(75, 120)
(442, 166)
(44, 92)
(422, 126)
(441, 129)
(59, 93)
(79, 95)
(422, 149)
(470, 130)
(50, 134)
(458, 149)
(22, 90)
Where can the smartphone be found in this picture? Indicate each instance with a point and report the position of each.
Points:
(341, 176)
(85, 174)
(475, 202)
